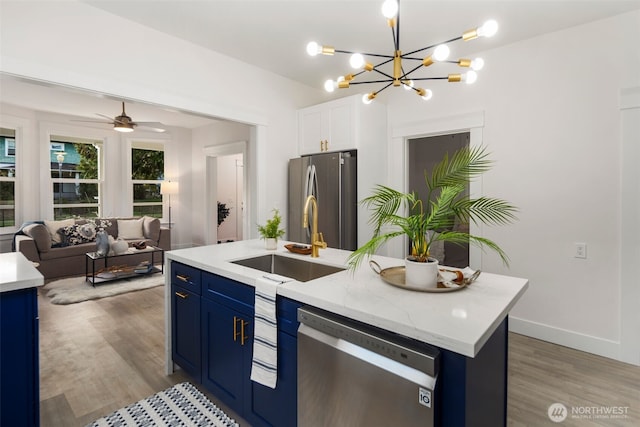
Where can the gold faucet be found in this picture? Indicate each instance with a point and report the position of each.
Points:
(317, 241)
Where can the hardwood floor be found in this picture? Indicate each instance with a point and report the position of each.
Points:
(98, 356)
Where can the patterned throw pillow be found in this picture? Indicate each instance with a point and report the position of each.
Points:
(78, 234)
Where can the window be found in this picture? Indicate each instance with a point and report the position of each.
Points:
(7, 178)
(75, 176)
(147, 173)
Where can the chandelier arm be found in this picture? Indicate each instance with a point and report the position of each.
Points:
(377, 92)
(429, 47)
(397, 37)
(371, 81)
(405, 75)
(363, 54)
(430, 78)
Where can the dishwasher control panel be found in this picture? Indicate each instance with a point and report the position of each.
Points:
(421, 357)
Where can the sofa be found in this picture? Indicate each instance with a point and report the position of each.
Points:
(58, 248)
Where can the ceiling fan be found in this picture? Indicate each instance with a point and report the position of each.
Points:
(124, 123)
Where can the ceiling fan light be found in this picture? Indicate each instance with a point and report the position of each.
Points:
(121, 127)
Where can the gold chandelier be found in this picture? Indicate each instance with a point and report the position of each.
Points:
(399, 75)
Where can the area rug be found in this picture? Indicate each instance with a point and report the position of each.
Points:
(180, 405)
(76, 289)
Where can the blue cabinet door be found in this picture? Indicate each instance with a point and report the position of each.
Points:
(227, 340)
(19, 369)
(185, 330)
(278, 407)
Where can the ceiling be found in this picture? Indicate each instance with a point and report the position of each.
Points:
(273, 35)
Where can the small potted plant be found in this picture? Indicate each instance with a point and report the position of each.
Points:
(271, 231)
(425, 222)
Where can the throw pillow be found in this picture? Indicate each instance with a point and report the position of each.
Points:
(78, 234)
(151, 228)
(130, 229)
(40, 235)
(54, 226)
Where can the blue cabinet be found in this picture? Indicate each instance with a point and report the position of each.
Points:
(19, 371)
(212, 336)
(227, 338)
(185, 320)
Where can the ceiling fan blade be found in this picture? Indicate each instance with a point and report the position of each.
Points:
(106, 117)
(154, 126)
(110, 122)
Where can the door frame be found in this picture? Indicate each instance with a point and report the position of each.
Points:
(212, 152)
(398, 152)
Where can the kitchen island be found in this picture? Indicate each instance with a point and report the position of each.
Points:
(469, 327)
(19, 367)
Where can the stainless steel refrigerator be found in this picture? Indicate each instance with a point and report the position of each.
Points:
(332, 179)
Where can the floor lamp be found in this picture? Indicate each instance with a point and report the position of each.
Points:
(169, 188)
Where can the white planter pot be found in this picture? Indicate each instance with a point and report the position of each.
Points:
(421, 274)
(271, 243)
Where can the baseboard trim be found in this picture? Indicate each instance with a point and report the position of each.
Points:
(571, 339)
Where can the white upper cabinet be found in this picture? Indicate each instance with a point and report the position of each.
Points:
(331, 126)
(348, 124)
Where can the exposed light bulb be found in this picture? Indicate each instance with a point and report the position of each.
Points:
(407, 84)
(329, 85)
(441, 53)
(477, 64)
(390, 9)
(313, 48)
(488, 29)
(470, 77)
(368, 98)
(356, 61)
(425, 94)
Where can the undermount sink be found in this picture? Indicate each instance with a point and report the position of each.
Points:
(297, 269)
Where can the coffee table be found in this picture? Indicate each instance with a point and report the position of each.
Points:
(115, 267)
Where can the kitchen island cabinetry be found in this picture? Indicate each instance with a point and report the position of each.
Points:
(185, 307)
(212, 336)
(19, 362)
(469, 328)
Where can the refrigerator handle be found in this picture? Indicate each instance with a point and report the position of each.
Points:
(312, 190)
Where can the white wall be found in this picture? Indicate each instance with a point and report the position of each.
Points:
(552, 121)
(71, 43)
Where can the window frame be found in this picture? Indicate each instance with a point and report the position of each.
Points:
(58, 141)
(15, 178)
(145, 144)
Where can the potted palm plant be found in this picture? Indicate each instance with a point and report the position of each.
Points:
(271, 231)
(395, 213)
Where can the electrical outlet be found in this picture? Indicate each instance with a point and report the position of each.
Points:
(580, 250)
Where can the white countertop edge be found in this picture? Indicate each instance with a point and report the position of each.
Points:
(17, 272)
(468, 342)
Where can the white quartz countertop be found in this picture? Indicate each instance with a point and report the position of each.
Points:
(17, 272)
(460, 321)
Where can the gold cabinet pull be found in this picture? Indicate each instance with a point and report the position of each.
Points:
(240, 332)
(235, 328)
(182, 295)
(242, 335)
(183, 278)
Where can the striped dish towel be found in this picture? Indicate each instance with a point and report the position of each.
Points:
(264, 368)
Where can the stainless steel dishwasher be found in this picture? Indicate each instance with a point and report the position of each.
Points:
(352, 375)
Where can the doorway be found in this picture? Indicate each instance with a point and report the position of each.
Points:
(230, 200)
(423, 154)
